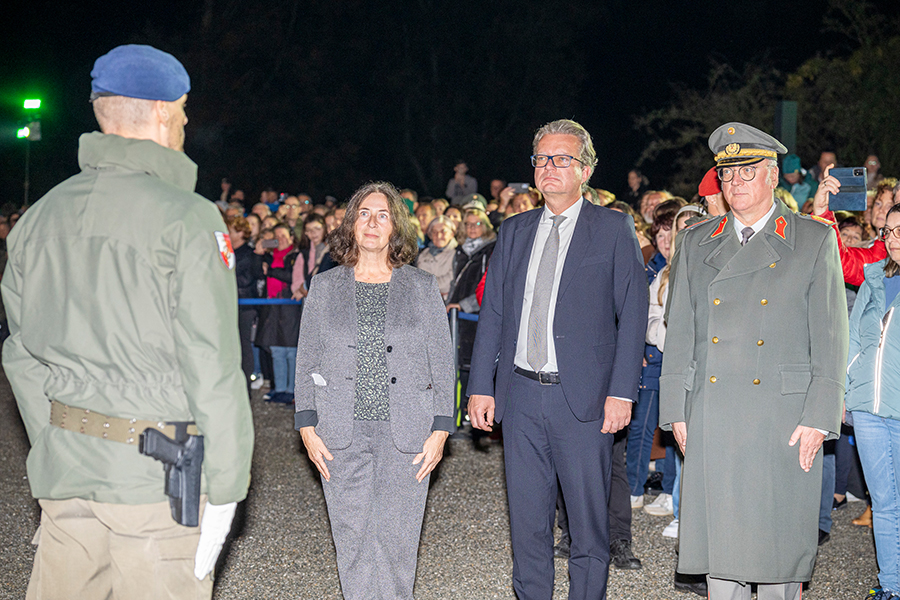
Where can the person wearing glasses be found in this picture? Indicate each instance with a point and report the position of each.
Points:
(873, 400)
(557, 360)
(758, 315)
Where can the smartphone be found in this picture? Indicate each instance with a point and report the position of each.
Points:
(852, 196)
(270, 243)
(520, 188)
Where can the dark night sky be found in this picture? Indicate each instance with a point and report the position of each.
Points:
(631, 52)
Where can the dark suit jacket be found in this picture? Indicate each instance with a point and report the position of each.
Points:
(417, 347)
(601, 312)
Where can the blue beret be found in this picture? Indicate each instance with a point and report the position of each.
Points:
(138, 71)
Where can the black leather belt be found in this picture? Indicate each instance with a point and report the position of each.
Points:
(543, 377)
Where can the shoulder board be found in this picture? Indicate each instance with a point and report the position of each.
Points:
(822, 220)
(696, 221)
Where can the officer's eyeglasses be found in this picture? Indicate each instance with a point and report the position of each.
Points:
(887, 232)
(560, 161)
(747, 173)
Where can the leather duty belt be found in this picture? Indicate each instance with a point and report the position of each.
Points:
(114, 429)
(544, 378)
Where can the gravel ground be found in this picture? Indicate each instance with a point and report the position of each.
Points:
(282, 548)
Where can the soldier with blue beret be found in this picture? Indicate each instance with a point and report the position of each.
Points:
(122, 307)
(753, 377)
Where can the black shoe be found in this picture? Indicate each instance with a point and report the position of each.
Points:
(835, 505)
(690, 583)
(561, 550)
(482, 444)
(654, 484)
(824, 536)
(622, 557)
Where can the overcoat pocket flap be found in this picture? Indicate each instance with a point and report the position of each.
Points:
(795, 379)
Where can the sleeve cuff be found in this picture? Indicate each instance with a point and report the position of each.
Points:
(623, 399)
(469, 304)
(442, 423)
(305, 418)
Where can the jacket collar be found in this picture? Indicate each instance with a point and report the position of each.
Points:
(103, 150)
(762, 251)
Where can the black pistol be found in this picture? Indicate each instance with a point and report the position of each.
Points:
(183, 461)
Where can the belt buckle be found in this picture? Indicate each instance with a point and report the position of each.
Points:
(544, 378)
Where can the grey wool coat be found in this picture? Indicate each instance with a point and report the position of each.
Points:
(417, 347)
(756, 344)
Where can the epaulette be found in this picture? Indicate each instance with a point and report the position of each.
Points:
(821, 220)
(696, 221)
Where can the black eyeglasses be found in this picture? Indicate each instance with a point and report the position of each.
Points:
(747, 173)
(560, 161)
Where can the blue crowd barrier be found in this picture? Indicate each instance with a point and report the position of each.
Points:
(468, 316)
(266, 301)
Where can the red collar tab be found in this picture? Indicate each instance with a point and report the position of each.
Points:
(780, 224)
(721, 227)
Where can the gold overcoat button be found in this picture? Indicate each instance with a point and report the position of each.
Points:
(715, 340)
(756, 382)
(759, 343)
(712, 379)
(717, 301)
(763, 301)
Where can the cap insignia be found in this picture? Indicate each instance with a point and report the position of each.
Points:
(731, 131)
(732, 148)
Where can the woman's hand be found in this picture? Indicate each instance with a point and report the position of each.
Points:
(454, 305)
(317, 451)
(299, 294)
(829, 185)
(431, 454)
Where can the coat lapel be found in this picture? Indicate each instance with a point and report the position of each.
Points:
(523, 240)
(732, 260)
(344, 306)
(581, 242)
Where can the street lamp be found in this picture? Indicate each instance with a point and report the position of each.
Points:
(31, 132)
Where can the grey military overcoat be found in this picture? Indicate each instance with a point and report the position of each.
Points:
(756, 345)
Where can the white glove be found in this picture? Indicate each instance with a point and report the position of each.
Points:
(214, 528)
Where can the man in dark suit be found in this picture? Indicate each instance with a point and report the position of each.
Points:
(558, 357)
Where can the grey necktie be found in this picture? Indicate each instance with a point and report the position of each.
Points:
(540, 298)
(746, 234)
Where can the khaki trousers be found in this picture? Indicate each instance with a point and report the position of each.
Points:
(94, 550)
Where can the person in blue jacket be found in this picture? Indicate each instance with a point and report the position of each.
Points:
(873, 400)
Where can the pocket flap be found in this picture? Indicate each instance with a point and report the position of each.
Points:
(795, 379)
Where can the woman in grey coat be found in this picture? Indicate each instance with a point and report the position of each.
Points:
(374, 392)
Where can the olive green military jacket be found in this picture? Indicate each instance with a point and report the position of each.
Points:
(756, 344)
(120, 301)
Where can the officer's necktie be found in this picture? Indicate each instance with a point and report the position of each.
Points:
(540, 298)
(746, 234)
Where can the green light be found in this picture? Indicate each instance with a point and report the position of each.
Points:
(32, 104)
(22, 133)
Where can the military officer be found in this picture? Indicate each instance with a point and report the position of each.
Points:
(753, 377)
(122, 307)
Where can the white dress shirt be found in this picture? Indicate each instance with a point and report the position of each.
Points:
(566, 229)
(757, 227)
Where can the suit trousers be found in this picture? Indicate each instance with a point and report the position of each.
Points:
(543, 442)
(91, 549)
(619, 501)
(725, 589)
(376, 508)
